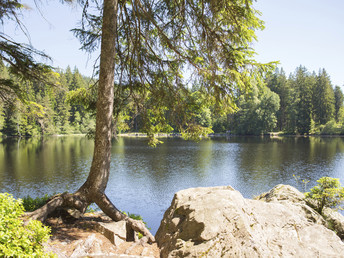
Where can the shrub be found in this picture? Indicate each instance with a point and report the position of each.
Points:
(31, 204)
(327, 193)
(16, 239)
(331, 128)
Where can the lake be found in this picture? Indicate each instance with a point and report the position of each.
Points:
(143, 179)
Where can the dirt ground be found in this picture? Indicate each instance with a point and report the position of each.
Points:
(78, 238)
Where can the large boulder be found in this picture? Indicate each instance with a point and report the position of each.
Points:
(219, 222)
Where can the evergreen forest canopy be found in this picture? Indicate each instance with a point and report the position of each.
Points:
(302, 103)
(47, 109)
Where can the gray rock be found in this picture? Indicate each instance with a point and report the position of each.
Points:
(282, 193)
(74, 213)
(116, 232)
(286, 194)
(91, 246)
(335, 221)
(219, 222)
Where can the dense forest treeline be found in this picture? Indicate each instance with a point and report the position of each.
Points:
(45, 109)
(302, 103)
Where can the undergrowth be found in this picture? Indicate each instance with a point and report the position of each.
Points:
(17, 239)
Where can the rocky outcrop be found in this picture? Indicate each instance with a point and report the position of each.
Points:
(282, 193)
(96, 235)
(219, 222)
(335, 221)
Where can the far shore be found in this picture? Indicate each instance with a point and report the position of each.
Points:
(213, 135)
(179, 135)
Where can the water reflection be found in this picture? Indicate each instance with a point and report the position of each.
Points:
(144, 179)
(37, 166)
(275, 160)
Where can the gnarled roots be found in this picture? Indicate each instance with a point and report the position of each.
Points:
(81, 201)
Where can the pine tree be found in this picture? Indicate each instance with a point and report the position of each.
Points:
(277, 82)
(144, 57)
(68, 76)
(304, 83)
(338, 101)
(323, 99)
(77, 111)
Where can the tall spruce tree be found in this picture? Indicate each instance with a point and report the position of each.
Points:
(292, 108)
(323, 99)
(277, 82)
(338, 101)
(304, 84)
(145, 49)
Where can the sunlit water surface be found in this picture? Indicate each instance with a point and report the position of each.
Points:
(143, 179)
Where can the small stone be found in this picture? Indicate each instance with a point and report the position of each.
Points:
(74, 213)
(116, 232)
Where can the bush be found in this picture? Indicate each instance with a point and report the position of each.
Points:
(331, 128)
(327, 193)
(221, 124)
(31, 204)
(16, 239)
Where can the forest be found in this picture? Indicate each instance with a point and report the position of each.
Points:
(302, 103)
(45, 109)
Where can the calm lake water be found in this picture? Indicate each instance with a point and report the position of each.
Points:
(143, 179)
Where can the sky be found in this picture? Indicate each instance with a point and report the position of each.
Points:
(297, 32)
(49, 28)
(303, 32)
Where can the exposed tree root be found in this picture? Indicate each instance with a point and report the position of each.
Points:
(109, 209)
(80, 202)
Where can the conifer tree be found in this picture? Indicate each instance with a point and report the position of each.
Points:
(323, 99)
(277, 82)
(145, 47)
(338, 101)
(304, 83)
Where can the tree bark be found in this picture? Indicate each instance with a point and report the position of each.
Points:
(93, 190)
(99, 173)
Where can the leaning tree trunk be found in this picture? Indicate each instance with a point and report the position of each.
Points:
(93, 190)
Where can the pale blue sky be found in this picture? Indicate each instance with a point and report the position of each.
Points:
(298, 32)
(49, 31)
(303, 32)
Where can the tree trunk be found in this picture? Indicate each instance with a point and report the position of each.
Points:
(99, 174)
(93, 190)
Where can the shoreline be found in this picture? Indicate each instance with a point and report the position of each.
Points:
(179, 135)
